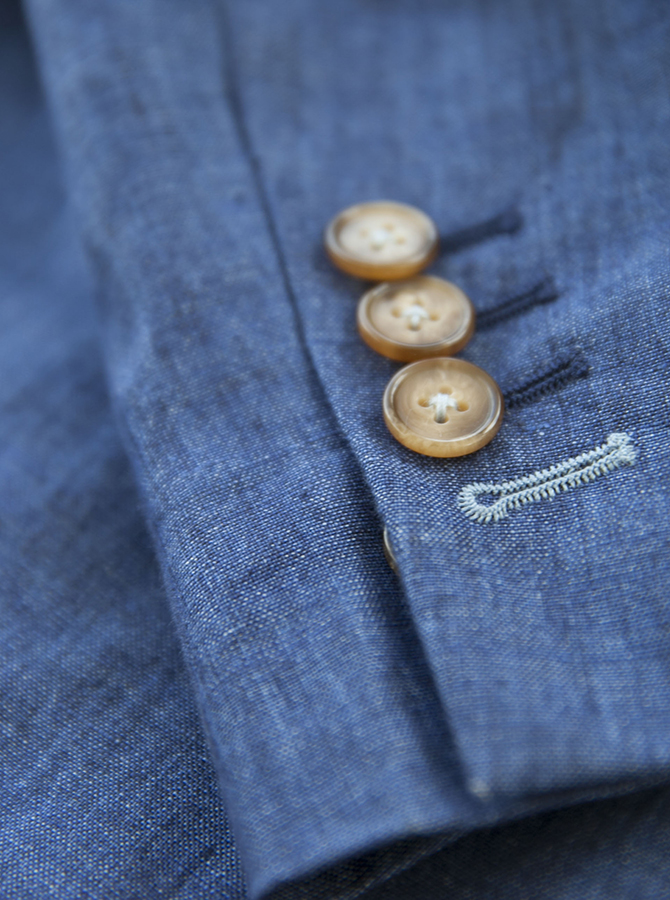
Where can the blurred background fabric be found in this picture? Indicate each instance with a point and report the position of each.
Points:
(212, 683)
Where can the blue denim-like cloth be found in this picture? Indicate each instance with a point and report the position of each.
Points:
(354, 728)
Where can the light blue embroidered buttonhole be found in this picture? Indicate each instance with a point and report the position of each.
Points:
(571, 473)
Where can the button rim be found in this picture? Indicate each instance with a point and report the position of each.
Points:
(353, 265)
(398, 350)
(448, 449)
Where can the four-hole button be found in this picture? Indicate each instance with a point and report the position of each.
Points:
(382, 241)
(443, 407)
(416, 318)
(436, 405)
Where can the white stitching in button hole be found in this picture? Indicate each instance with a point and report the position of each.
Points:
(381, 236)
(443, 401)
(415, 314)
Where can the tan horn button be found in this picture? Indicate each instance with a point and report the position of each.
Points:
(382, 241)
(416, 318)
(443, 407)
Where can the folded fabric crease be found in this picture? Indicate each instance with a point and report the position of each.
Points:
(352, 714)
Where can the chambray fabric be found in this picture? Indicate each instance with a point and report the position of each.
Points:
(106, 788)
(547, 633)
(326, 731)
(525, 665)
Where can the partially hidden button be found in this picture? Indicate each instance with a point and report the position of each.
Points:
(443, 407)
(416, 318)
(382, 241)
(388, 551)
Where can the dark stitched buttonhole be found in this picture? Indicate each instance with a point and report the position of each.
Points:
(540, 294)
(561, 373)
(507, 222)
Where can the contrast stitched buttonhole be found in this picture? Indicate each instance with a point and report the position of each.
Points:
(544, 484)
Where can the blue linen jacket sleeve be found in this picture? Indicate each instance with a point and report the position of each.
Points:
(518, 664)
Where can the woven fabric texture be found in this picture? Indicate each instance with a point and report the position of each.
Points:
(214, 685)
